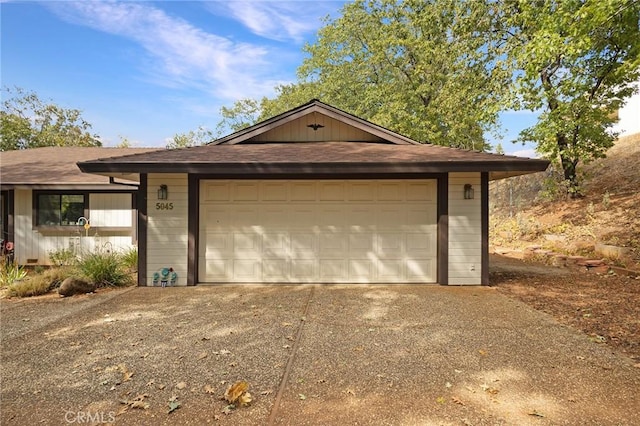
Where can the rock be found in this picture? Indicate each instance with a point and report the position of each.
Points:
(71, 286)
(611, 251)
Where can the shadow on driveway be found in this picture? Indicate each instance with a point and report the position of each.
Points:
(312, 354)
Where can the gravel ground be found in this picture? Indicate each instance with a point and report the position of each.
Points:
(326, 354)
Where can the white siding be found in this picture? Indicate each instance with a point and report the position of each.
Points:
(465, 231)
(167, 229)
(110, 209)
(33, 246)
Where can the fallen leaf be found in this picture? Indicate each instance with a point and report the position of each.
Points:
(146, 354)
(536, 414)
(209, 389)
(181, 385)
(237, 393)
(205, 338)
(266, 392)
(290, 338)
(160, 386)
(140, 404)
(286, 324)
(151, 383)
(228, 409)
(458, 371)
(225, 352)
(126, 374)
(173, 404)
(137, 402)
(448, 385)
(202, 355)
(440, 400)
(301, 397)
(456, 400)
(482, 352)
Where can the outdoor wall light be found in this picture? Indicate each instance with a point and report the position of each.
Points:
(468, 191)
(163, 193)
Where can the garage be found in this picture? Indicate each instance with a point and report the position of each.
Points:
(317, 231)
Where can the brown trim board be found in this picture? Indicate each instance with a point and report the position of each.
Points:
(484, 218)
(142, 230)
(443, 229)
(193, 224)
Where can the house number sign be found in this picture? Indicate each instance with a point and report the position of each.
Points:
(164, 206)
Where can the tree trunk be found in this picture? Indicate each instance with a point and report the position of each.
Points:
(569, 166)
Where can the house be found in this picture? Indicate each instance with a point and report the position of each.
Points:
(314, 195)
(49, 205)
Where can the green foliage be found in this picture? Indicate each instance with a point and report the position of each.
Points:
(577, 62)
(62, 257)
(129, 259)
(28, 122)
(242, 114)
(424, 69)
(104, 269)
(201, 136)
(39, 284)
(11, 272)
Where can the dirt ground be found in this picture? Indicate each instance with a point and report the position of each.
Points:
(606, 307)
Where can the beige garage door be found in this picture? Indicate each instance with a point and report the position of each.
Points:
(323, 231)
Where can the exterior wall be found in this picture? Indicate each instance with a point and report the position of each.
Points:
(297, 131)
(167, 226)
(465, 231)
(32, 246)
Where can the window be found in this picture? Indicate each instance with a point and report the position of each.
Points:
(59, 209)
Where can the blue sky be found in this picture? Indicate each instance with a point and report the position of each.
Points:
(148, 70)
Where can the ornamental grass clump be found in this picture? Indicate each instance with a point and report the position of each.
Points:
(104, 269)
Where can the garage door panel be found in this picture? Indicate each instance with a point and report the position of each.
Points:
(275, 269)
(420, 245)
(333, 270)
(303, 245)
(246, 270)
(318, 231)
(333, 244)
(417, 269)
(361, 270)
(390, 270)
(304, 270)
(275, 245)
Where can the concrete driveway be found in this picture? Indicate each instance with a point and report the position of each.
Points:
(317, 355)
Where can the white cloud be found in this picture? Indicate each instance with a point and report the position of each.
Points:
(182, 54)
(276, 20)
(529, 153)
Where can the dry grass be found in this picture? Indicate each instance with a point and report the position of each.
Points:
(39, 284)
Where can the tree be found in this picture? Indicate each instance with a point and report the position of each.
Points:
(28, 122)
(577, 62)
(425, 69)
(200, 136)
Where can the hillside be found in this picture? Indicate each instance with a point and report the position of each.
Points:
(532, 210)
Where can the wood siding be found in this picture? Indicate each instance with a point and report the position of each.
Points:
(465, 236)
(297, 131)
(32, 246)
(167, 231)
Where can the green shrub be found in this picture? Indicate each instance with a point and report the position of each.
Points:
(104, 269)
(62, 257)
(130, 259)
(11, 272)
(39, 284)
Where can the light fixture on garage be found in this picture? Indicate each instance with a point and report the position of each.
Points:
(163, 192)
(468, 191)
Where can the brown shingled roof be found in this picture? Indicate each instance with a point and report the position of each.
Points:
(56, 166)
(315, 158)
(250, 153)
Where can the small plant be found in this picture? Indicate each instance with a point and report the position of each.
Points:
(606, 200)
(11, 272)
(63, 257)
(130, 259)
(104, 269)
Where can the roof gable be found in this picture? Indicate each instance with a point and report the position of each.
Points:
(314, 122)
